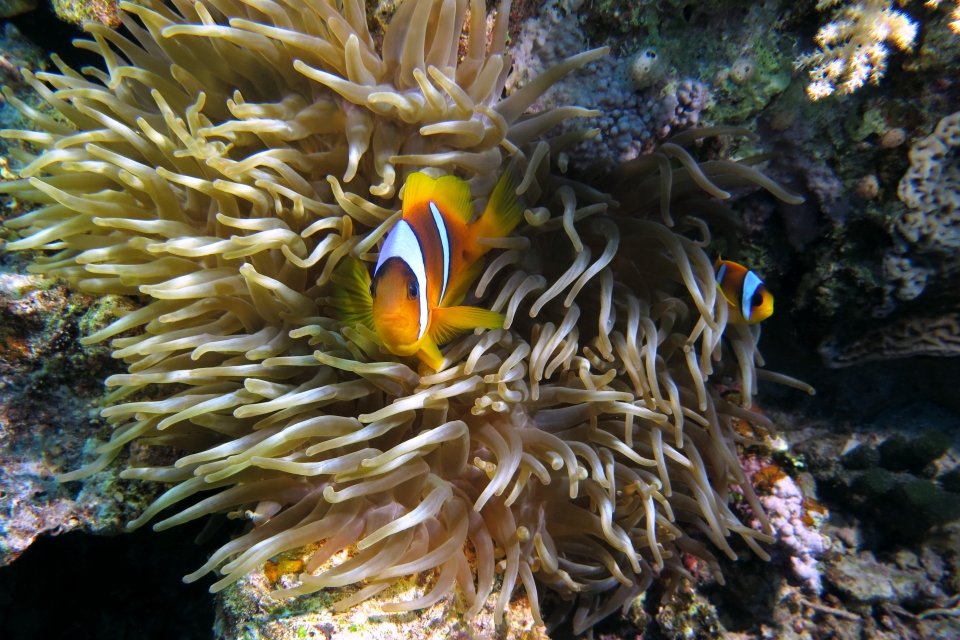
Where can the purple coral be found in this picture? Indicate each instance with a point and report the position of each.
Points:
(785, 508)
(692, 97)
(795, 520)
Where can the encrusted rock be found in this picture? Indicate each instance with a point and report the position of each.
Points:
(865, 579)
(49, 392)
(246, 610)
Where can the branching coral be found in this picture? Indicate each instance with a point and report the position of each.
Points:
(853, 47)
(233, 156)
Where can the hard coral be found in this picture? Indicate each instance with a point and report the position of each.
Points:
(931, 190)
(903, 338)
(853, 46)
(228, 161)
(795, 519)
(633, 111)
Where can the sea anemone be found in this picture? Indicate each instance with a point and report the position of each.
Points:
(223, 166)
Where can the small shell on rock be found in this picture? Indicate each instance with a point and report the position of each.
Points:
(893, 138)
(784, 120)
(642, 69)
(868, 187)
(742, 71)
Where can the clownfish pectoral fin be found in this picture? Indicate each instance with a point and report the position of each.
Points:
(504, 209)
(460, 283)
(429, 354)
(351, 302)
(448, 323)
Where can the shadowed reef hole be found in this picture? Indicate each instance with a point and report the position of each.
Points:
(125, 587)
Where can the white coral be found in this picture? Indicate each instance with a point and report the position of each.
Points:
(852, 47)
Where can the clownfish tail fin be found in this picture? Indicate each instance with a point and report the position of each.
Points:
(446, 323)
(351, 302)
(504, 209)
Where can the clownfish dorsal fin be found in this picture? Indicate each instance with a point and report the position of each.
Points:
(504, 208)
(450, 194)
(351, 302)
(448, 323)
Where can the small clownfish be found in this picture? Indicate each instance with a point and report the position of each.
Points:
(426, 265)
(749, 300)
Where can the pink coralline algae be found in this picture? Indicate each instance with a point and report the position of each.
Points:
(795, 519)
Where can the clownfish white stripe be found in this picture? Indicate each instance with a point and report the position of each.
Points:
(722, 272)
(445, 243)
(403, 243)
(751, 282)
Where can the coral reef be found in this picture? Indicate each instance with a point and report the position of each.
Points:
(890, 478)
(851, 268)
(876, 582)
(15, 52)
(229, 210)
(655, 84)
(49, 390)
(954, 13)
(641, 70)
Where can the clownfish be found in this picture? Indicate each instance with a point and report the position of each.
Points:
(748, 300)
(425, 267)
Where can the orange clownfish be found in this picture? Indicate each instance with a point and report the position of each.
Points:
(427, 263)
(749, 301)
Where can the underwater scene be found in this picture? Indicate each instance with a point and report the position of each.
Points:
(479, 319)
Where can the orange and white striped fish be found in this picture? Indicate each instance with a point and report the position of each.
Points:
(749, 301)
(426, 265)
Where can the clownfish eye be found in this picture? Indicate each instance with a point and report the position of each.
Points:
(757, 299)
(413, 290)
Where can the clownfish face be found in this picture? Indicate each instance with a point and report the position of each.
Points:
(397, 307)
(756, 302)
